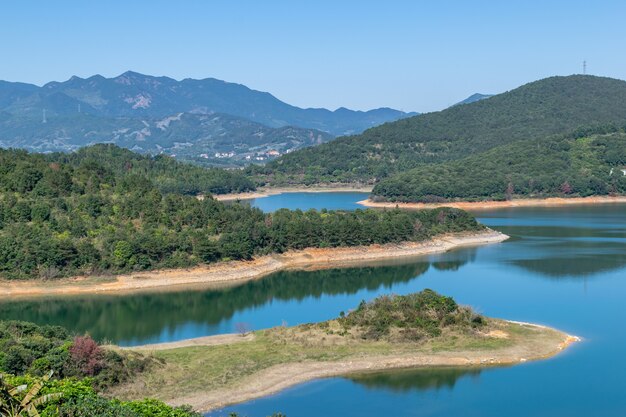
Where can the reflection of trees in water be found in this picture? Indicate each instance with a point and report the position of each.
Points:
(580, 266)
(144, 316)
(557, 252)
(415, 379)
(452, 261)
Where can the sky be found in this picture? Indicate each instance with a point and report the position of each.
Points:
(410, 55)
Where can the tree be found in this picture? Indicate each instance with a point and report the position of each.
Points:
(86, 355)
(122, 253)
(566, 188)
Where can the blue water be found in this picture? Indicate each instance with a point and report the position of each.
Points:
(564, 267)
(305, 201)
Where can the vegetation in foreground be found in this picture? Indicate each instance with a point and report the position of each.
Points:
(29, 349)
(80, 369)
(106, 210)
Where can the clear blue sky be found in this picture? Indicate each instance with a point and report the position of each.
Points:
(411, 55)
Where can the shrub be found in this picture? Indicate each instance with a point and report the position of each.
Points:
(419, 315)
(86, 355)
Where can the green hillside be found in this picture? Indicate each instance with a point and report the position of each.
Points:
(107, 210)
(166, 173)
(588, 162)
(534, 111)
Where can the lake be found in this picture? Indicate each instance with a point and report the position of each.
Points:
(564, 267)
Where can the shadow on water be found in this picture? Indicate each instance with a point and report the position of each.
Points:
(142, 317)
(414, 379)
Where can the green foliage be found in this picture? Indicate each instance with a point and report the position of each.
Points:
(155, 408)
(415, 316)
(534, 111)
(24, 399)
(567, 166)
(167, 174)
(88, 215)
(71, 397)
(31, 349)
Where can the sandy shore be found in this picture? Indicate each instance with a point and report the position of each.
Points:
(225, 274)
(489, 205)
(547, 343)
(220, 339)
(265, 192)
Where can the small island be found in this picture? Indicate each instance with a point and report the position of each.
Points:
(424, 329)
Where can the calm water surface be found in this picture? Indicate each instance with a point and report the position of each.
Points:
(563, 267)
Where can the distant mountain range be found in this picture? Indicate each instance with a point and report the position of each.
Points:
(473, 98)
(151, 114)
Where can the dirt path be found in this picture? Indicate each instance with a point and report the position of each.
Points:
(225, 274)
(220, 339)
(489, 205)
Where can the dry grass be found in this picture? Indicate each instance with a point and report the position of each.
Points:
(213, 376)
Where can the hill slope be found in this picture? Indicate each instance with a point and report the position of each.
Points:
(106, 209)
(588, 162)
(474, 98)
(185, 135)
(547, 107)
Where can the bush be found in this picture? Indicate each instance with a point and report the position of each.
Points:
(418, 315)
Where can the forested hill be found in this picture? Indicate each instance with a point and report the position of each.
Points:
(164, 172)
(105, 210)
(587, 162)
(537, 110)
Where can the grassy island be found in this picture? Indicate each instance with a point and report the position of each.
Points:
(422, 329)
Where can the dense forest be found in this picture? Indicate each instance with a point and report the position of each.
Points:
(535, 111)
(167, 174)
(587, 162)
(90, 213)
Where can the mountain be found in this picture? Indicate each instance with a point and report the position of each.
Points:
(136, 95)
(587, 162)
(551, 106)
(218, 139)
(473, 98)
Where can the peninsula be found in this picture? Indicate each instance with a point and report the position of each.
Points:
(418, 330)
(223, 274)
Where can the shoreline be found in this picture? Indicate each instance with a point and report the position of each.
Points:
(266, 192)
(279, 377)
(226, 274)
(489, 205)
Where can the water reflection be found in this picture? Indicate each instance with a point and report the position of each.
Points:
(415, 379)
(138, 318)
(566, 252)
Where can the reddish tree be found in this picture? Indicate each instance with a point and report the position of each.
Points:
(566, 188)
(86, 355)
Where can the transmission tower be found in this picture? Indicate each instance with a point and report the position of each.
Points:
(44, 120)
(584, 67)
